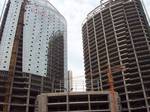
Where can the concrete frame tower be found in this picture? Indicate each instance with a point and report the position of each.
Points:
(117, 33)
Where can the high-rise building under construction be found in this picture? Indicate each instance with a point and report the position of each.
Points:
(28, 29)
(116, 34)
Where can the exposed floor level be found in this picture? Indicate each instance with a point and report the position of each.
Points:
(76, 102)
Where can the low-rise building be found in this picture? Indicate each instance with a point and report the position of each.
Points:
(76, 102)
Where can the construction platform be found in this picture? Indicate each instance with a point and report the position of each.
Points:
(76, 102)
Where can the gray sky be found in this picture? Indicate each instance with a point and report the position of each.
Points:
(75, 12)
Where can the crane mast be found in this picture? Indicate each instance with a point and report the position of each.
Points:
(111, 84)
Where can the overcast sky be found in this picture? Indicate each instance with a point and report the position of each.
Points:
(75, 12)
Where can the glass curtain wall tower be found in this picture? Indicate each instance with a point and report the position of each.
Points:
(26, 31)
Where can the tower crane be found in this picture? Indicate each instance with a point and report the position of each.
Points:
(109, 71)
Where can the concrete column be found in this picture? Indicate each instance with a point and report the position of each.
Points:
(43, 103)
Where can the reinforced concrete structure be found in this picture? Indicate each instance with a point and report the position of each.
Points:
(28, 28)
(117, 33)
(75, 102)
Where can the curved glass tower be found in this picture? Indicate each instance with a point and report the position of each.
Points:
(117, 33)
(41, 21)
(27, 30)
